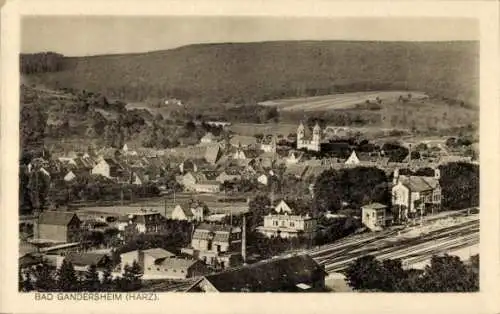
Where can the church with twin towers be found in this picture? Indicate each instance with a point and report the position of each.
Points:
(309, 140)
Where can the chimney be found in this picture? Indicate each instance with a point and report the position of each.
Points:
(140, 258)
(409, 154)
(244, 240)
(395, 176)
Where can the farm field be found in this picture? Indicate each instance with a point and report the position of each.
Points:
(338, 101)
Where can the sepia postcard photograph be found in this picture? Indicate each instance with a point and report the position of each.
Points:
(212, 153)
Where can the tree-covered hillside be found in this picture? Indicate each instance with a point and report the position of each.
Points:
(251, 72)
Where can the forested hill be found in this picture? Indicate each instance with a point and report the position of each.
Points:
(252, 72)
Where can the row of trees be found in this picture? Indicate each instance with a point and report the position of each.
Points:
(44, 278)
(41, 62)
(444, 274)
(358, 186)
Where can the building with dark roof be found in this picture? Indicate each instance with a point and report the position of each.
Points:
(416, 195)
(157, 263)
(58, 226)
(216, 244)
(299, 273)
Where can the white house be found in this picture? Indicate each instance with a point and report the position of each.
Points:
(263, 179)
(102, 168)
(294, 157)
(353, 159)
(187, 212)
(374, 216)
(416, 195)
(285, 224)
(207, 138)
(69, 176)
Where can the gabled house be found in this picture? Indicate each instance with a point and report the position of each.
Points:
(353, 159)
(245, 154)
(144, 221)
(299, 273)
(69, 176)
(109, 168)
(217, 245)
(188, 211)
(375, 216)
(294, 157)
(82, 261)
(187, 166)
(284, 223)
(416, 195)
(213, 154)
(208, 138)
(158, 263)
(58, 226)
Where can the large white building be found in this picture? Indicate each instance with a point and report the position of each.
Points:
(308, 140)
(285, 224)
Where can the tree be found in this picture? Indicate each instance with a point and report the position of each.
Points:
(364, 273)
(66, 277)
(91, 279)
(448, 274)
(258, 208)
(460, 185)
(107, 277)
(131, 279)
(44, 278)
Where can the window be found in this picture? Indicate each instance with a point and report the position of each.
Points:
(175, 271)
(149, 268)
(158, 269)
(165, 269)
(292, 224)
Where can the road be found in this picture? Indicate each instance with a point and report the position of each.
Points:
(387, 244)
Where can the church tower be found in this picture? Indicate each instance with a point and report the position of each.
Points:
(316, 138)
(300, 135)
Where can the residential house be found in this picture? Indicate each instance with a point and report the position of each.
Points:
(269, 145)
(213, 154)
(263, 179)
(57, 226)
(109, 168)
(82, 261)
(145, 221)
(353, 159)
(298, 273)
(199, 182)
(217, 245)
(188, 211)
(416, 195)
(208, 138)
(298, 171)
(187, 166)
(243, 154)
(375, 216)
(69, 176)
(158, 263)
(284, 223)
(294, 157)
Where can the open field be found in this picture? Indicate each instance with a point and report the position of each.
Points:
(338, 101)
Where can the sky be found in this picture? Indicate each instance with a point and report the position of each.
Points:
(80, 36)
